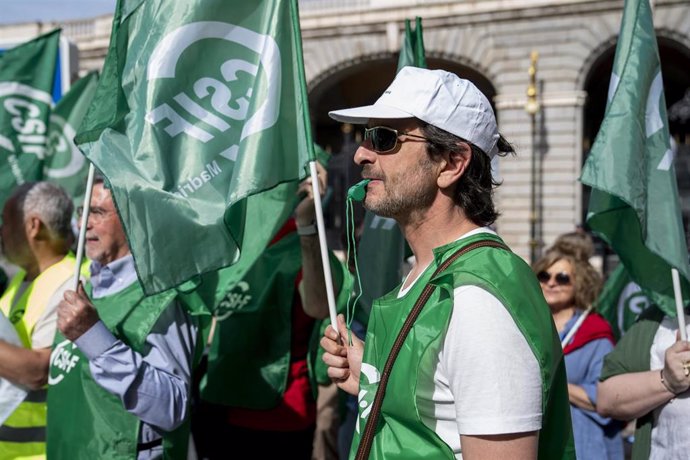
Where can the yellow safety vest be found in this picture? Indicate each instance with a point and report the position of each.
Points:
(23, 434)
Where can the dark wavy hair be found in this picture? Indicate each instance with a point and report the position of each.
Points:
(474, 191)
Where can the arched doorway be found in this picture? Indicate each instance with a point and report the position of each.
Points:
(354, 84)
(675, 62)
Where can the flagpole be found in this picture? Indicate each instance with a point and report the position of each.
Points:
(82, 229)
(328, 278)
(679, 304)
(575, 327)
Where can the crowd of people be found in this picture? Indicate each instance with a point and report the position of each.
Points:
(475, 355)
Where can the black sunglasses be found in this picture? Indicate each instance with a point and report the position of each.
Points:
(384, 139)
(562, 278)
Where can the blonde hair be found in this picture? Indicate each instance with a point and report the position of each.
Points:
(586, 280)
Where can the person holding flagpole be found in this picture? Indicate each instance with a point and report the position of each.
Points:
(463, 360)
(36, 236)
(647, 377)
(257, 394)
(120, 370)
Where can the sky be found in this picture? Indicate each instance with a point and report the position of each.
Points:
(18, 11)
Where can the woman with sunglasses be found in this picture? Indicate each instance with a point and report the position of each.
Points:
(570, 284)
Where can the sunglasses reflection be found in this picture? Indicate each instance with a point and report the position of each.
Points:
(561, 278)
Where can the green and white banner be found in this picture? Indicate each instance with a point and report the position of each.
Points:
(64, 164)
(26, 82)
(200, 124)
(634, 203)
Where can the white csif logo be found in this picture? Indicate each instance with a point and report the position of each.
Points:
(227, 108)
(64, 359)
(60, 142)
(26, 108)
(236, 299)
(373, 376)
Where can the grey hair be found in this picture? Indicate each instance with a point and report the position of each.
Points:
(52, 205)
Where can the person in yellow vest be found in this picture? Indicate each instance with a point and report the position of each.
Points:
(36, 236)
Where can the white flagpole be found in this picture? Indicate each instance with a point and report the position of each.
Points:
(328, 278)
(679, 304)
(575, 327)
(82, 229)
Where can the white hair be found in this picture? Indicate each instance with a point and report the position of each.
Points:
(52, 205)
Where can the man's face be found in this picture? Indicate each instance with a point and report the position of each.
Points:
(105, 238)
(15, 246)
(403, 181)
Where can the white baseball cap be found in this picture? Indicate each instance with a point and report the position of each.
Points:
(437, 97)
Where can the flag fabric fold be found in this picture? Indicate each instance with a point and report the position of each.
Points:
(198, 124)
(64, 164)
(27, 74)
(634, 203)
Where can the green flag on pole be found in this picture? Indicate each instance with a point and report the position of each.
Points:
(634, 202)
(64, 164)
(382, 247)
(621, 301)
(200, 125)
(412, 48)
(27, 72)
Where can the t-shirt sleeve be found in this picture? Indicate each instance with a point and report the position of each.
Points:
(44, 329)
(492, 372)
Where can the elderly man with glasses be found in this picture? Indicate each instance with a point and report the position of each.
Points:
(120, 372)
(462, 360)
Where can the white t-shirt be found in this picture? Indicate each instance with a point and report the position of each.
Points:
(487, 380)
(669, 440)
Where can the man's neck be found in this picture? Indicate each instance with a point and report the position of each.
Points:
(44, 258)
(435, 227)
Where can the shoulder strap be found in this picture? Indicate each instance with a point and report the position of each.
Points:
(367, 440)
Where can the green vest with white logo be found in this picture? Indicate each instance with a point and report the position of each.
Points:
(401, 433)
(85, 421)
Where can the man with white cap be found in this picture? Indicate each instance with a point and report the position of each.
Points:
(462, 360)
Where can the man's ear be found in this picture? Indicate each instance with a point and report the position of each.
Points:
(455, 164)
(34, 227)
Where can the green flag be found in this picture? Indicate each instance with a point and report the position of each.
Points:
(64, 164)
(382, 247)
(200, 124)
(621, 301)
(634, 202)
(412, 49)
(26, 82)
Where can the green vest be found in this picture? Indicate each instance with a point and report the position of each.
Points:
(22, 435)
(253, 331)
(401, 433)
(87, 422)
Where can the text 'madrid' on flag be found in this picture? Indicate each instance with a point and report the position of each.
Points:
(200, 125)
(634, 203)
(27, 72)
(64, 164)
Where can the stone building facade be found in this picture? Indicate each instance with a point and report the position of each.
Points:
(351, 50)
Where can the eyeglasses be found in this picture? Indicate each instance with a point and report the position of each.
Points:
(384, 139)
(561, 278)
(95, 213)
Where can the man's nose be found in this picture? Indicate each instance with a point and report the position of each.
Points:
(364, 154)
